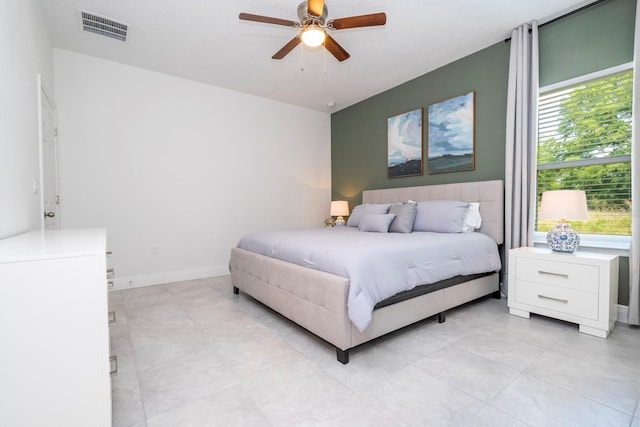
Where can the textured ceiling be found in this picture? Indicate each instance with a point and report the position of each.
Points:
(204, 40)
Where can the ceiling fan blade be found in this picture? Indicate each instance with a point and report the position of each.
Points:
(335, 49)
(268, 20)
(370, 20)
(287, 48)
(315, 7)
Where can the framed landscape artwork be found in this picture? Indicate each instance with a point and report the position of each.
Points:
(451, 136)
(404, 144)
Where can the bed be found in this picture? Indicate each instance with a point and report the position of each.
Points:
(318, 301)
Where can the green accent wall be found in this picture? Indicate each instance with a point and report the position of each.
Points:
(359, 133)
(594, 39)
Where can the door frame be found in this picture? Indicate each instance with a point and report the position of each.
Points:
(43, 93)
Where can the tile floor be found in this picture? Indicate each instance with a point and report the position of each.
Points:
(193, 354)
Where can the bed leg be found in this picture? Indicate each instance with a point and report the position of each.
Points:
(442, 317)
(343, 356)
(236, 291)
(497, 294)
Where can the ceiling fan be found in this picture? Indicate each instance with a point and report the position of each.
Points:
(314, 25)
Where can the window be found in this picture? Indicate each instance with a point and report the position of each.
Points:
(584, 143)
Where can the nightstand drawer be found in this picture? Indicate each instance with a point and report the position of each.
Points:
(562, 274)
(562, 300)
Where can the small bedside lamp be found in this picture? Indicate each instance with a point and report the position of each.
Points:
(563, 204)
(340, 208)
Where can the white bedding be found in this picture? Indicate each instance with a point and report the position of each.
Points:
(379, 265)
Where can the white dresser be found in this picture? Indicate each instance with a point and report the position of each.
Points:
(579, 287)
(54, 337)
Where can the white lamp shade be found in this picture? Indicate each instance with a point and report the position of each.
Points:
(313, 35)
(564, 204)
(339, 208)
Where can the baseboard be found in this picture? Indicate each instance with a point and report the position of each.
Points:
(623, 314)
(222, 270)
(120, 283)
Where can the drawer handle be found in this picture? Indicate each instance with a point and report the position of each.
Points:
(112, 317)
(553, 274)
(110, 284)
(110, 273)
(113, 361)
(565, 301)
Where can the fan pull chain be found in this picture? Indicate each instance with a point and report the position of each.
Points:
(302, 57)
(324, 57)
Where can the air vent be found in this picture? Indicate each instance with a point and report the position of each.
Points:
(103, 26)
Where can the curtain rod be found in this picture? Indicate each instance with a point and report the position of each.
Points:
(580, 9)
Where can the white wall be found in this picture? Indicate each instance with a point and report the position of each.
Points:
(25, 51)
(187, 167)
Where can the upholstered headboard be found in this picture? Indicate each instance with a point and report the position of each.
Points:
(490, 195)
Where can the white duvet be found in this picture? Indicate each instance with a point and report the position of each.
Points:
(379, 265)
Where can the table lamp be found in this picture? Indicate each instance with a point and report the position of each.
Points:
(563, 205)
(340, 208)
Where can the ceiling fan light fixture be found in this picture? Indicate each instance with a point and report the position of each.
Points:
(313, 35)
(313, 25)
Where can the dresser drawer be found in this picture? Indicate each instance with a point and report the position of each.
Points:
(563, 274)
(561, 300)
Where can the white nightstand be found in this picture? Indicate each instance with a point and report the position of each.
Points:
(579, 287)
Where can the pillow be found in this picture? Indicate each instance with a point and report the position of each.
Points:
(405, 215)
(441, 216)
(356, 215)
(368, 208)
(472, 219)
(378, 223)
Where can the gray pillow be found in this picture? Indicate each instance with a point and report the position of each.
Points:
(405, 216)
(441, 216)
(378, 223)
(366, 209)
(356, 215)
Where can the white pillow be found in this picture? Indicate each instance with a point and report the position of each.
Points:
(472, 219)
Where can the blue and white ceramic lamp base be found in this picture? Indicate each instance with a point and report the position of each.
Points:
(563, 238)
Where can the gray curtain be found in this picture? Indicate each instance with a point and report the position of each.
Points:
(521, 141)
(634, 261)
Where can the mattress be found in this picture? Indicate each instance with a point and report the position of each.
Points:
(379, 265)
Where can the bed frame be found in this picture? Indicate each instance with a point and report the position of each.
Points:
(317, 301)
